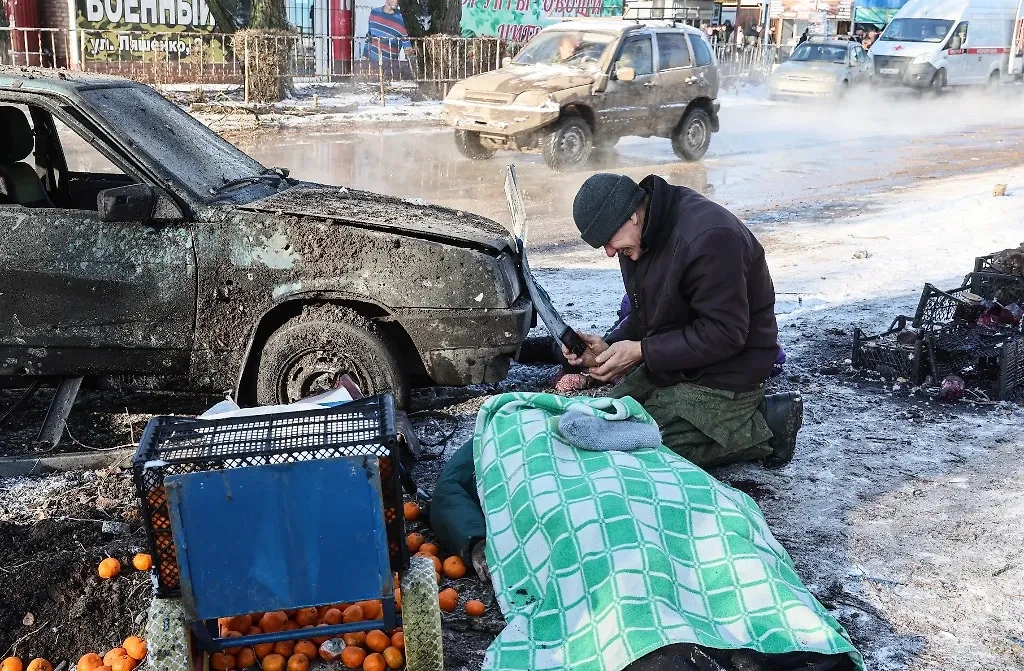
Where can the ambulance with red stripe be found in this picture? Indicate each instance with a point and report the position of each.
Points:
(939, 43)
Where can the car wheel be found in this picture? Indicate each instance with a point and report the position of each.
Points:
(692, 136)
(308, 353)
(569, 144)
(843, 89)
(992, 85)
(938, 82)
(469, 145)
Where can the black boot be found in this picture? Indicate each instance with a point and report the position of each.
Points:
(784, 414)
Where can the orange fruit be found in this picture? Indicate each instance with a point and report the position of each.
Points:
(253, 631)
(273, 622)
(431, 549)
(454, 567)
(371, 609)
(398, 598)
(352, 614)
(142, 561)
(307, 648)
(222, 661)
(235, 650)
(333, 616)
(273, 663)
(284, 648)
(398, 640)
(240, 623)
(411, 510)
(124, 663)
(352, 657)
(306, 616)
(291, 626)
(108, 568)
(331, 650)
(262, 650)
(255, 617)
(320, 640)
(377, 641)
(413, 541)
(290, 613)
(12, 664)
(108, 659)
(448, 600)
(298, 662)
(135, 647)
(222, 625)
(374, 662)
(394, 658)
(356, 638)
(39, 664)
(437, 562)
(246, 658)
(475, 608)
(89, 661)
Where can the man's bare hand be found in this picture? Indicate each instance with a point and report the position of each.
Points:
(617, 360)
(595, 345)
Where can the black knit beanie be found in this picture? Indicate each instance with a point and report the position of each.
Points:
(602, 206)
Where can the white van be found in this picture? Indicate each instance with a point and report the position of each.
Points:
(939, 43)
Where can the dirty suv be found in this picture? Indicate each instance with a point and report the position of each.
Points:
(585, 84)
(136, 241)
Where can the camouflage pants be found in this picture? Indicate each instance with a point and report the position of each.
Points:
(709, 427)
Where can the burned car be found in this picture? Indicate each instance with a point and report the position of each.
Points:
(585, 84)
(136, 241)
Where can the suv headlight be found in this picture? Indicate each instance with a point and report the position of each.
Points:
(922, 59)
(535, 99)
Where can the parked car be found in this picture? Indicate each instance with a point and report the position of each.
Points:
(134, 240)
(587, 83)
(821, 68)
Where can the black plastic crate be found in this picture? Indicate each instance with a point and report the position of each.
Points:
(176, 445)
(888, 356)
(1000, 287)
(988, 360)
(990, 264)
(938, 307)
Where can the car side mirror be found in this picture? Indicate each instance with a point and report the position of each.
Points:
(625, 74)
(134, 202)
(506, 61)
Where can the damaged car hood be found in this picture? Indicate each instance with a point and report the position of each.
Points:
(516, 79)
(414, 217)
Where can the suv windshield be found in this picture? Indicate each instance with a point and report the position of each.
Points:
(200, 159)
(916, 30)
(563, 47)
(819, 52)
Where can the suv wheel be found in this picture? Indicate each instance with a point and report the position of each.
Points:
(308, 353)
(692, 136)
(469, 145)
(938, 82)
(569, 144)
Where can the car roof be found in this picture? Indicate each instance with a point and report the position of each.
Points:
(48, 80)
(832, 43)
(617, 25)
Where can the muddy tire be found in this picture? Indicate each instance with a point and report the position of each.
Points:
(569, 145)
(691, 138)
(421, 617)
(469, 145)
(307, 354)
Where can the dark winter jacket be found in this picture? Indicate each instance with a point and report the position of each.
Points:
(703, 302)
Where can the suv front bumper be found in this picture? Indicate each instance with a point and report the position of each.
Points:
(500, 121)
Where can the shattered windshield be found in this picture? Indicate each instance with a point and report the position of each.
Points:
(199, 158)
(819, 52)
(916, 30)
(562, 47)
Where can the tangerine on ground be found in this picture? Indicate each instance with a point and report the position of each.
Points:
(374, 662)
(352, 614)
(475, 608)
(352, 657)
(377, 641)
(298, 662)
(411, 510)
(306, 616)
(357, 638)
(12, 664)
(448, 600)
(307, 648)
(263, 650)
(108, 568)
(398, 640)
(273, 622)
(273, 662)
(433, 558)
(394, 658)
(285, 648)
(39, 664)
(332, 617)
(454, 567)
(108, 659)
(89, 661)
(122, 663)
(431, 549)
(245, 658)
(142, 561)
(135, 647)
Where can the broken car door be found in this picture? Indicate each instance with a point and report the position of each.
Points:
(81, 291)
(631, 92)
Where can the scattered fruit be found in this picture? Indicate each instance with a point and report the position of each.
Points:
(306, 616)
(431, 549)
(108, 659)
(411, 509)
(374, 662)
(142, 561)
(135, 647)
(352, 657)
(320, 640)
(377, 641)
(109, 568)
(274, 663)
(413, 541)
(39, 664)
(12, 664)
(284, 648)
(235, 650)
(331, 650)
(475, 608)
(221, 661)
(454, 567)
(352, 614)
(246, 658)
(372, 610)
(240, 623)
(393, 658)
(437, 562)
(298, 662)
(448, 600)
(89, 662)
(263, 650)
(398, 640)
(332, 617)
(357, 638)
(307, 648)
(273, 622)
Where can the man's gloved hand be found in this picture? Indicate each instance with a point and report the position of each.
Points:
(617, 360)
(595, 346)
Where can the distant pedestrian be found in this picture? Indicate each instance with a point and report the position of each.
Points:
(803, 38)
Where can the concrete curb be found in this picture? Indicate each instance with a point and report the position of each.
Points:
(12, 467)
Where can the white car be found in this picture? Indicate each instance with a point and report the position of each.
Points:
(821, 68)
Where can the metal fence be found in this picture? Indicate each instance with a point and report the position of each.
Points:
(751, 64)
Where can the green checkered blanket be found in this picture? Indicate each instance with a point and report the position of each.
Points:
(598, 558)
